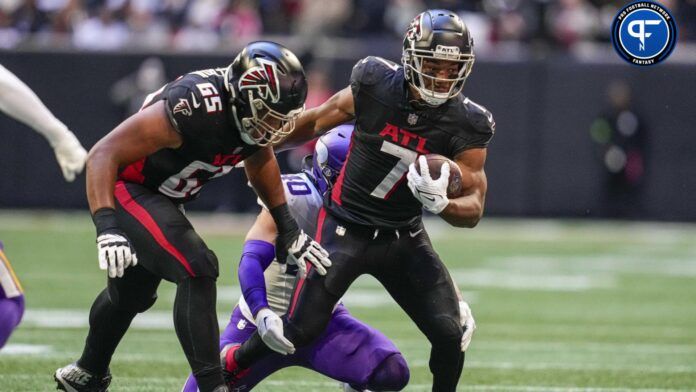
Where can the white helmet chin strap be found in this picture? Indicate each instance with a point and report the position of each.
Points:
(242, 134)
(247, 139)
(433, 99)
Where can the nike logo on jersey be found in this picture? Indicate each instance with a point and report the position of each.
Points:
(414, 234)
(196, 104)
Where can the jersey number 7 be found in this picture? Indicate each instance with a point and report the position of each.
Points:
(406, 157)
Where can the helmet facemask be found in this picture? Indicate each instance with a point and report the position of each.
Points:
(425, 68)
(269, 88)
(266, 126)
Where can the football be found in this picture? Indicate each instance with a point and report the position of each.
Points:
(435, 162)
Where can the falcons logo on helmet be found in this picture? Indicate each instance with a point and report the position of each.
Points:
(414, 31)
(263, 78)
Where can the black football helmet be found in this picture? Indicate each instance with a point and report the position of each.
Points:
(437, 36)
(269, 88)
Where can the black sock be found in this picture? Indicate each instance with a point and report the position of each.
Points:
(195, 321)
(107, 325)
(446, 364)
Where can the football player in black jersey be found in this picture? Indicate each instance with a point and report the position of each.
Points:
(371, 221)
(192, 130)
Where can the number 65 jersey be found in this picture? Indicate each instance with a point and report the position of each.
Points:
(198, 107)
(390, 133)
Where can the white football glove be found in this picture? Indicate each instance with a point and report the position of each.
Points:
(431, 193)
(466, 318)
(70, 155)
(270, 328)
(304, 249)
(115, 253)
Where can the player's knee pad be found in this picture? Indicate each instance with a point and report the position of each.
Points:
(207, 263)
(445, 330)
(132, 300)
(392, 374)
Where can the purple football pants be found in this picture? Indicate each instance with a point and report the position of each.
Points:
(11, 311)
(348, 351)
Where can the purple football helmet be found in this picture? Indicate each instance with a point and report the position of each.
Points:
(329, 155)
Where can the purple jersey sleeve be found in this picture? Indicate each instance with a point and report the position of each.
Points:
(256, 257)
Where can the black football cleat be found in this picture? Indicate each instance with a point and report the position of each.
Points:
(72, 378)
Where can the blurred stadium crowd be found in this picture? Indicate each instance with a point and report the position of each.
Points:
(211, 24)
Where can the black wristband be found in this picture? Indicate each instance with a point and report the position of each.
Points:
(283, 219)
(104, 219)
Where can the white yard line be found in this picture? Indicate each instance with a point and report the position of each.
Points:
(532, 366)
(13, 349)
(529, 280)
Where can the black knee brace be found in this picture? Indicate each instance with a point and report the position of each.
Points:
(445, 329)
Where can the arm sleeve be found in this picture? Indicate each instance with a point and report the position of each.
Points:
(256, 257)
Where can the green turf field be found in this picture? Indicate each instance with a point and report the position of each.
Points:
(560, 306)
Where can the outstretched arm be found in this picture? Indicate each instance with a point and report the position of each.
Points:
(21, 103)
(466, 210)
(314, 122)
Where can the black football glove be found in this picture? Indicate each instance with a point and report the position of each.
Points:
(113, 246)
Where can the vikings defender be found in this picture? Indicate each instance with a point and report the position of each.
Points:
(371, 221)
(194, 129)
(348, 350)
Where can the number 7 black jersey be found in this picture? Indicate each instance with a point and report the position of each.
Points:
(389, 135)
(198, 106)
